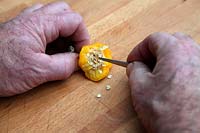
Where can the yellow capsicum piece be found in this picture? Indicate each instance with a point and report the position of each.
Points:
(94, 68)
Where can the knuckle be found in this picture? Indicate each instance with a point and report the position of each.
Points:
(78, 17)
(61, 4)
(153, 36)
(157, 35)
(73, 16)
(64, 4)
(179, 33)
(39, 4)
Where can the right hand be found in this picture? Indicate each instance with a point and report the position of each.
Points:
(165, 83)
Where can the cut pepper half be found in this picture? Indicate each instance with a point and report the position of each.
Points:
(94, 68)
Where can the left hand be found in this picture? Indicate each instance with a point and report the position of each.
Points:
(23, 41)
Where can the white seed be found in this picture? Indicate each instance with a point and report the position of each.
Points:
(88, 55)
(91, 63)
(108, 87)
(104, 47)
(103, 65)
(100, 71)
(98, 95)
(109, 76)
(100, 55)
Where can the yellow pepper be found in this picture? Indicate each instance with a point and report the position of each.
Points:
(94, 68)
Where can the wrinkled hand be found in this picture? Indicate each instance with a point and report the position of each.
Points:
(23, 41)
(166, 97)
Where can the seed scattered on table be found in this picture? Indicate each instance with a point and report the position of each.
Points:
(98, 95)
(109, 76)
(108, 87)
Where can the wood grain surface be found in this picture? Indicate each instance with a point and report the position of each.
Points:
(71, 105)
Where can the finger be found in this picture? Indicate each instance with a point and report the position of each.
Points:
(55, 7)
(32, 8)
(150, 49)
(59, 66)
(81, 37)
(142, 53)
(65, 25)
(140, 81)
(139, 76)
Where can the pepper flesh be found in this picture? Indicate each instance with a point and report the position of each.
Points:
(94, 68)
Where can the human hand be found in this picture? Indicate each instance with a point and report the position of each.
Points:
(23, 41)
(166, 97)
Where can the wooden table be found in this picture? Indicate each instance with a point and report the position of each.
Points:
(71, 105)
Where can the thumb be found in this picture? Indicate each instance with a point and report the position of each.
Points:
(59, 66)
(139, 76)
